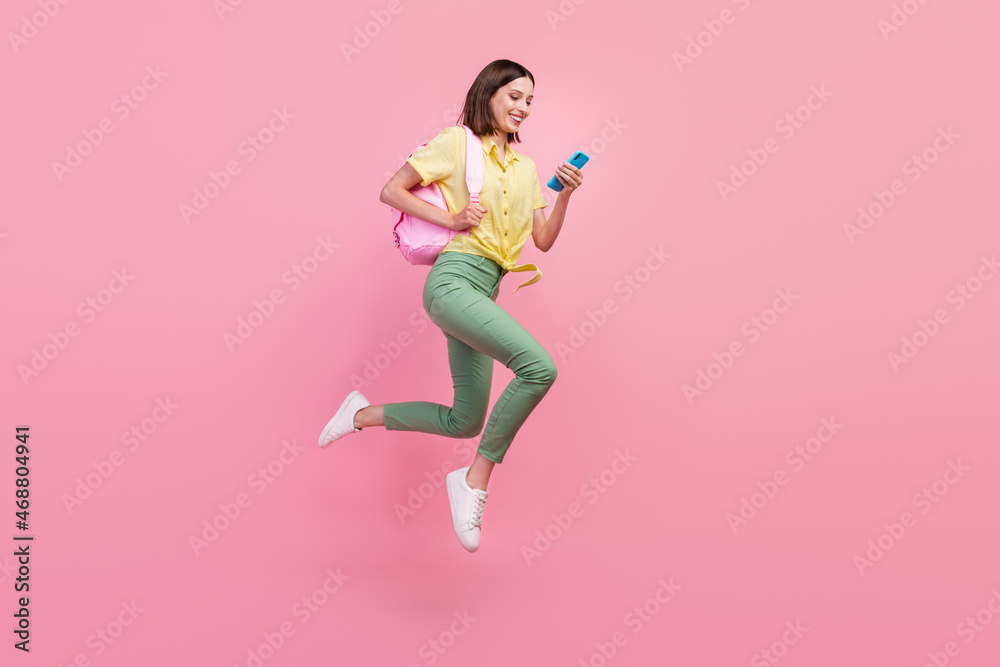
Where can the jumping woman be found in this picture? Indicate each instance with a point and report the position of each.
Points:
(460, 293)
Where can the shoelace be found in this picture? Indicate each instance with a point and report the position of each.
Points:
(478, 505)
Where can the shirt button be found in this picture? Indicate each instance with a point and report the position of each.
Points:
(505, 212)
(505, 192)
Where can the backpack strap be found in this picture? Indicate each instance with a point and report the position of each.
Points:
(474, 164)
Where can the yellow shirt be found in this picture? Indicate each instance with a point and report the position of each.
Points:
(510, 195)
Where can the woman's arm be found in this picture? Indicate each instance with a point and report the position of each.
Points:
(544, 232)
(396, 193)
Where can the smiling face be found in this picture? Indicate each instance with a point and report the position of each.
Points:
(511, 104)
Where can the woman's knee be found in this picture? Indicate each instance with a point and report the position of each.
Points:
(551, 372)
(469, 431)
(468, 428)
(541, 369)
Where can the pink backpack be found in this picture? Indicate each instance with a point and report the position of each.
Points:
(421, 241)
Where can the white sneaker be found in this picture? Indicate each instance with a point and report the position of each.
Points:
(343, 422)
(466, 508)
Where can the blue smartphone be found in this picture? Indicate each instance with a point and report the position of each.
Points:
(578, 160)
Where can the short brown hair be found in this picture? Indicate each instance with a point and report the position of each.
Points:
(476, 111)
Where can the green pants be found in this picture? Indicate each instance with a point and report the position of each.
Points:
(460, 297)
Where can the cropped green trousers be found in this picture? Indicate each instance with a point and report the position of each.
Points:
(460, 297)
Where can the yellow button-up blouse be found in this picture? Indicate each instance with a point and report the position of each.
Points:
(510, 195)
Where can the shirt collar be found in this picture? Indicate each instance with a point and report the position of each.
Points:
(489, 146)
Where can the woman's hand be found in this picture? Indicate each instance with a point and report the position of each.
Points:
(571, 177)
(470, 216)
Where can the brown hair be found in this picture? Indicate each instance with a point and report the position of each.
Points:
(476, 112)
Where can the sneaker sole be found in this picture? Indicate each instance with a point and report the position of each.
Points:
(336, 417)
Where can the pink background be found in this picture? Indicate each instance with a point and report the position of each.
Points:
(661, 138)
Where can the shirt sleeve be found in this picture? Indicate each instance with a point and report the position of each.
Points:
(438, 158)
(539, 199)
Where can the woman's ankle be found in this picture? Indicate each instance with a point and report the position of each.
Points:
(476, 479)
(476, 483)
(359, 421)
(370, 415)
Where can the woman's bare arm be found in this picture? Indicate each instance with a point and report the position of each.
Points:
(396, 194)
(544, 232)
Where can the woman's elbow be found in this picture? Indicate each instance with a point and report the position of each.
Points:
(385, 195)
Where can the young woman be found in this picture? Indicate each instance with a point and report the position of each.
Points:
(461, 289)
